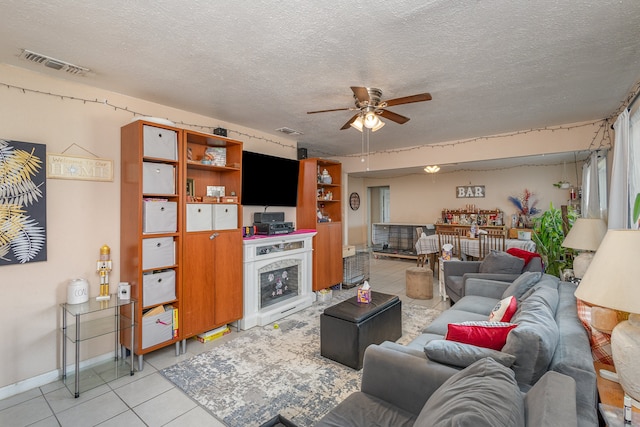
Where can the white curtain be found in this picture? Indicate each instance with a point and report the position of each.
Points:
(619, 188)
(591, 188)
(634, 166)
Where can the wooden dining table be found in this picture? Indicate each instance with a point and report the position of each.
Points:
(469, 247)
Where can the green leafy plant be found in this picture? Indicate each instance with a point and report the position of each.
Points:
(548, 235)
(636, 208)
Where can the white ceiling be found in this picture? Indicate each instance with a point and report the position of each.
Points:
(492, 66)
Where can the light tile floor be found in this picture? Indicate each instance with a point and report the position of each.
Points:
(147, 398)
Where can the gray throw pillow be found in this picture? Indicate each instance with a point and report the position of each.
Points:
(522, 284)
(484, 394)
(502, 263)
(462, 355)
(534, 341)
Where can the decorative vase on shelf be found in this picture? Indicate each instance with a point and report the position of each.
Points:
(326, 178)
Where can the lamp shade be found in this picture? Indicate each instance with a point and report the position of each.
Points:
(586, 234)
(357, 123)
(612, 277)
(611, 281)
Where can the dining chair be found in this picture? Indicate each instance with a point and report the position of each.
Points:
(452, 237)
(421, 260)
(491, 240)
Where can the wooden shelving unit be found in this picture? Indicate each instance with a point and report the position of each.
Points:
(181, 264)
(323, 212)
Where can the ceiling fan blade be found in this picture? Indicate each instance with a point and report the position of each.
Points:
(394, 117)
(348, 124)
(409, 99)
(361, 93)
(326, 111)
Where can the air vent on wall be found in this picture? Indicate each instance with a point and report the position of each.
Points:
(53, 63)
(289, 131)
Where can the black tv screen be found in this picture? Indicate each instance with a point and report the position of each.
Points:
(269, 180)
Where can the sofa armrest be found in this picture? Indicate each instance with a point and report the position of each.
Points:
(458, 268)
(402, 376)
(481, 284)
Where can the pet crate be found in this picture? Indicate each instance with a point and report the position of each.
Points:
(355, 268)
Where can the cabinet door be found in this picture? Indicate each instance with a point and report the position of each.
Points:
(197, 302)
(212, 281)
(327, 266)
(228, 267)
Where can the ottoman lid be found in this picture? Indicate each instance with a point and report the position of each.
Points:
(353, 311)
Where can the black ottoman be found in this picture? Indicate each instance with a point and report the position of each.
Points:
(348, 328)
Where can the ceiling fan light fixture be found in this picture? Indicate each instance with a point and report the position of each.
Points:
(357, 124)
(432, 169)
(378, 126)
(371, 120)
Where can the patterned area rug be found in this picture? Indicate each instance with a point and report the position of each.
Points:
(268, 371)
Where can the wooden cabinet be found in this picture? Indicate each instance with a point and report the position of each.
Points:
(212, 260)
(180, 242)
(212, 294)
(320, 208)
(324, 263)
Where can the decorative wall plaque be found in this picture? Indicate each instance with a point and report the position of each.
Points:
(470, 191)
(62, 166)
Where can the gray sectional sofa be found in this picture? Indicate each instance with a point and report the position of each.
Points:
(547, 355)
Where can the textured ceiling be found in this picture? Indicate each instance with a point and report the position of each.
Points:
(492, 66)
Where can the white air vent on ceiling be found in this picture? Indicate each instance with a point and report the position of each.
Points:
(53, 63)
(289, 131)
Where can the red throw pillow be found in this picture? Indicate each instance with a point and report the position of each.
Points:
(521, 253)
(504, 310)
(491, 335)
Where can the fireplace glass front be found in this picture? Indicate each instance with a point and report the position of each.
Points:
(278, 282)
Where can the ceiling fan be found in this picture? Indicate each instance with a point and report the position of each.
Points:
(370, 106)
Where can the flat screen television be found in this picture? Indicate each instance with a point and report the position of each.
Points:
(269, 180)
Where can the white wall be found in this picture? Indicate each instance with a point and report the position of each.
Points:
(81, 215)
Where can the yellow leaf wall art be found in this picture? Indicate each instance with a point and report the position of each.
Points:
(23, 208)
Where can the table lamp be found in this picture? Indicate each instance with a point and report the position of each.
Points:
(611, 281)
(585, 235)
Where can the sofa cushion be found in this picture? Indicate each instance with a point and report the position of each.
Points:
(441, 323)
(534, 341)
(483, 334)
(522, 284)
(475, 304)
(463, 355)
(484, 394)
(504, 310)
(361, 409)
(501, 262)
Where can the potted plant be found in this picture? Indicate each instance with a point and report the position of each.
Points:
(548, 235)
(562, 184)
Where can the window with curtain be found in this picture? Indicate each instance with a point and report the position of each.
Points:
(594, 186)
(625, 175)
(634, 158)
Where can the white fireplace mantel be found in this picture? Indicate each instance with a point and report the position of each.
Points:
(262, 251)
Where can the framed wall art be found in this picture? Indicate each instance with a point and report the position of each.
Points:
(23, 207)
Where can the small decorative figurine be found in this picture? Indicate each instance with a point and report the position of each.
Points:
(104, 267)
(326, 178)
